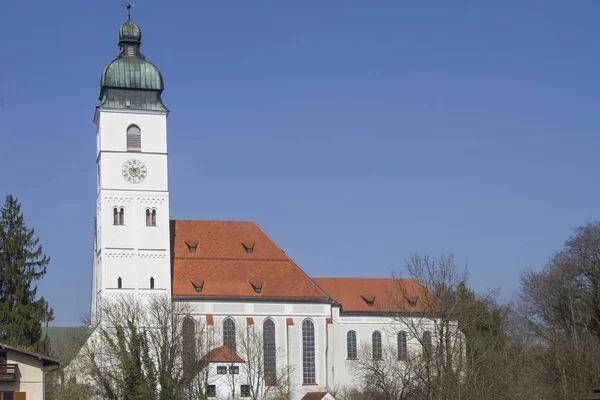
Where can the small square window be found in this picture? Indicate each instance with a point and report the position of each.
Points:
(245, 390)
(211, 391)
(221, 369)
(234, 370)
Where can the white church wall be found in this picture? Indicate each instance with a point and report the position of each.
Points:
(115, 123)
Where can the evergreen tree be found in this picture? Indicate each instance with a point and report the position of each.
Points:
(22, 262)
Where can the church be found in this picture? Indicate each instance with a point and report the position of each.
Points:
(230, 273)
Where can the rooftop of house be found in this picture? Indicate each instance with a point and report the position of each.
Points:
(46, 361)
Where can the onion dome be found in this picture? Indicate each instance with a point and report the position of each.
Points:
(130, 81)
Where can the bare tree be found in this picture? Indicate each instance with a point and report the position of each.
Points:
(559, 307)
(264, 370)
(382, 378)
(455, 333)
(137, 351)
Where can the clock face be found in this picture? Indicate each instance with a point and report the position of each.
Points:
(134, 171)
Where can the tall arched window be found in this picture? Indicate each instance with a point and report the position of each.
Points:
(188, 345)
(309, 374)
(402, 346)
(377, 352)
(426, 342)
(229, 334)
(351, 344)
(151, 217)
(119, 283)
(269, 352)
(134, 138)
(151, 282)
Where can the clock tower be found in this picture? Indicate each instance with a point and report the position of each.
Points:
(132, 239)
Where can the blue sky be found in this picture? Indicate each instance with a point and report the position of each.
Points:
(352, 133)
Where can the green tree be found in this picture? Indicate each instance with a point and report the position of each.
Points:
(22, 262)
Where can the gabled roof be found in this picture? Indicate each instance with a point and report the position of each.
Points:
(46, 361)
(227, 259)
(315, 395)
(374, 294)
(222, 354)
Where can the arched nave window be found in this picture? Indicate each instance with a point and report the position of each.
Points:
(426, 342)
(151, 282)
(189, 344)
(134, 138)
(119, 283)
(351, 344)
(402, 346)
(377, 351)
(229, 334)
(309, 374)
(269, 352)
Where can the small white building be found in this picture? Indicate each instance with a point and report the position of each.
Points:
(226, 375)
(22, 373)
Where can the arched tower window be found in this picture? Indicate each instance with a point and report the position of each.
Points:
(229, 334)
(188, 345)
(118, 216)
(308, 352)
(119, 283)
(351, 344)
(377, 352)
(269, 352)
(151, 282)
(151, 217)
(402, 346)
(134, 138)
(426, 342)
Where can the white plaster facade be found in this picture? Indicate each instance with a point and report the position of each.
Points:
(30, 376)
(132, 254)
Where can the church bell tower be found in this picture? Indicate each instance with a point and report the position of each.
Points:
(132, 240)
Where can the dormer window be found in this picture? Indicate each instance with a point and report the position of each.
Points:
(369, 299)
(197, 287)
(192, 248)
(257, 286)
(411, 302)
(249, 249)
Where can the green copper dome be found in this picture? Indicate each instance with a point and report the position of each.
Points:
(130, 32)
(129, 81)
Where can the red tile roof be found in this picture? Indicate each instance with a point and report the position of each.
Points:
(222, 354)
(228, 270)
(356, 294)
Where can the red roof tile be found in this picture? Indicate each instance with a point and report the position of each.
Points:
(355, 294)
(227, 270)
(222, 354)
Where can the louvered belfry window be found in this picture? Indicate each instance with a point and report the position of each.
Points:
(134, 138)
